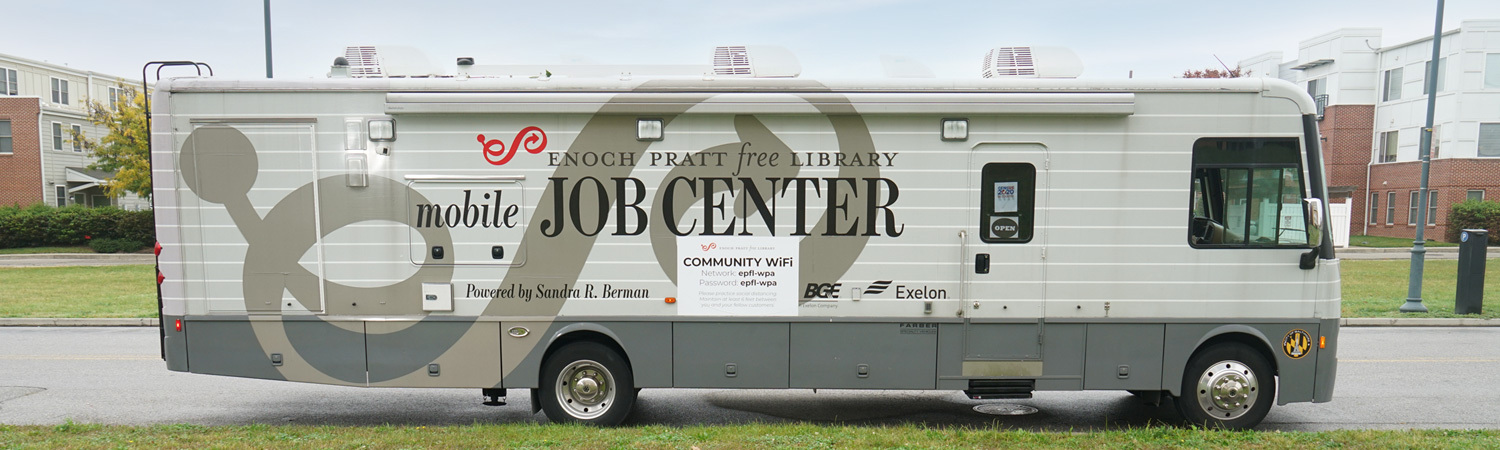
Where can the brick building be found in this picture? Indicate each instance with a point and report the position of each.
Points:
(1374, 105)
(41, 104)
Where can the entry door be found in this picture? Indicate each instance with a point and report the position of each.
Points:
(1005, 250)
(268, 233)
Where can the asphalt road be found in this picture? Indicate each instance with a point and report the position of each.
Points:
(1388, 378)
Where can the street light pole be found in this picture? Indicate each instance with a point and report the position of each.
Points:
(1418, 252)
(268, 38)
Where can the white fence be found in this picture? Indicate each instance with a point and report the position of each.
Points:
(1339, 213)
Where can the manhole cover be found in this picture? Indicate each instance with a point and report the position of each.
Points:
(1005, 409)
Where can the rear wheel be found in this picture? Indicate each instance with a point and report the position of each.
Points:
(1228, 385)
(586, 382)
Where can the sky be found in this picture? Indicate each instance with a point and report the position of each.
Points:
(833, 39)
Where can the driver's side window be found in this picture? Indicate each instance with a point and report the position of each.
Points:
(1247, 193)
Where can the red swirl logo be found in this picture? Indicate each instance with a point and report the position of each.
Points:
(710, 246)
(533, 139)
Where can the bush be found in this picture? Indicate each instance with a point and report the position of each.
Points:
(111, 245)
(41, 225)
(1474, 214)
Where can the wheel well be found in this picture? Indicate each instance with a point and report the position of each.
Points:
(587, 336)
(1246, 339)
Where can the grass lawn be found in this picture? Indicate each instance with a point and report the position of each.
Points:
(1390, 242)
(83, 291)
(34, 250)
(1376, 288)
(730, 437)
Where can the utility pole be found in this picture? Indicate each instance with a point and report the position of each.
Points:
(1418, 252)
(268, 38)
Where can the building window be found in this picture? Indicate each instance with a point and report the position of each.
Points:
(62, 196)
(1437, 141)
(8, 82)
(1392, 85)
(59, 91)
(1374, 208)
(114, 98)
(1318, 89)
(1412, 215)
(1474, 195)
(1442, 68)
(1388, 142)
(5, 140)
(1489, 139)
(1432, 207)
(77, 138)
(57, 138)
(1390, 208)
(1492, 71)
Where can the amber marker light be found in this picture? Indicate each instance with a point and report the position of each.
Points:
(1322, 342)
(671, 299)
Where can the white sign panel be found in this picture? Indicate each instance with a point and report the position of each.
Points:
(1005, 197)
(737, 276)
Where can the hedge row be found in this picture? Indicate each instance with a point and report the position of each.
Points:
(41, 225)
(1474, 215)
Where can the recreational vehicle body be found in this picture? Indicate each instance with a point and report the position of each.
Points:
(586, 238)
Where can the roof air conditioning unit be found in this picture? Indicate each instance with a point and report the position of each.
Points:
(755, 61)
(377, 61)
(1031, 62)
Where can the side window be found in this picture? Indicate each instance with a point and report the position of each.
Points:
(1247, 193)
(1007, 202)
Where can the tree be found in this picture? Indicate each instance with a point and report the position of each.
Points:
(123, 151)
(1236, 72)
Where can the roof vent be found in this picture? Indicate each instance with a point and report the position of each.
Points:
(364, 61)
(1031, 62)
(367, 61)
(757, 61)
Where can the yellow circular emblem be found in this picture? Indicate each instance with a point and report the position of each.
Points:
(1296, 344)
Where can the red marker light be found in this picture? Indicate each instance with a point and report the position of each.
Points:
(179, 324)
(158, 248)
(160, 277)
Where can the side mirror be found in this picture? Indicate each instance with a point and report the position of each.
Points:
(1313, 211)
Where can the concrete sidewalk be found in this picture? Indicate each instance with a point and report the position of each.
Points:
(76, 259)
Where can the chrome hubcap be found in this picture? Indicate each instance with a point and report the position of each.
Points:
(1227, 390)
(585, 389)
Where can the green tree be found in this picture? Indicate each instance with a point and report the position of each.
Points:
(123, 150)
(1216, 73)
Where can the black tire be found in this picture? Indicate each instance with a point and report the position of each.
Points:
(587, 382)
(1227, 386)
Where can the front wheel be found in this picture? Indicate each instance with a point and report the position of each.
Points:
(586, 382)
(1228, 385)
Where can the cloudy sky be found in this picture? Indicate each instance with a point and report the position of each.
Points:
(832, 38)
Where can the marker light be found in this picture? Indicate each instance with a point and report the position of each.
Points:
(671, 299)
(159, 277)
(955, 129)
(158, 248)
(179, 324)
(382, 130)
(1322, 341)
(648, 130)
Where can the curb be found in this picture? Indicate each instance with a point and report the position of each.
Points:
(1346, 322)
(77, 322)
(1395, 322)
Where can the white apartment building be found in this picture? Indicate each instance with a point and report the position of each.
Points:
(40, 105)
(1375, 104)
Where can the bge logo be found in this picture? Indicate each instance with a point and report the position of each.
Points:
(822, 290)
